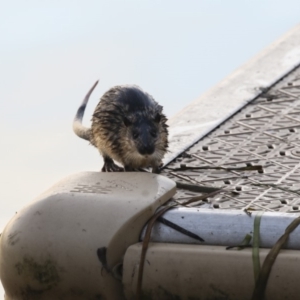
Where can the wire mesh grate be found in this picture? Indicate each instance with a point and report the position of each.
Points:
(266, 132)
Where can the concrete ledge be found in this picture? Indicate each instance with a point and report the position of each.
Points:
(176, 271)
(225, 227)
(69, 243)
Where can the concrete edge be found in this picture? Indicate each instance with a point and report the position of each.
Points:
(224, 227)
(232, 93)
(176, 271)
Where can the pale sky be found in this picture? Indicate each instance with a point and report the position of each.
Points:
(51, 52)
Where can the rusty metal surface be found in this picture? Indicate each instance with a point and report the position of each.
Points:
(266, 132)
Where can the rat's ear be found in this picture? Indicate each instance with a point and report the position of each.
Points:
(157, 118)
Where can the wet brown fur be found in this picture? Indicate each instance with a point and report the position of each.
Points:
(122, 112)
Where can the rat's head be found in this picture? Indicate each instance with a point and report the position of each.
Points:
(132, 126)
(143, 131)
(146, 138)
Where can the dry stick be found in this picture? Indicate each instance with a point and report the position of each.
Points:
(260, 286)
(203, 197)
(145, 247)
(148, 235)
(179, 229)
(196, 188)
(184, 167)
(275, 186)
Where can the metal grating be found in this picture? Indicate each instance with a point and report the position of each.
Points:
(266, 132)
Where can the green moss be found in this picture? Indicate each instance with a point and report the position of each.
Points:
(45, 273)
(162, 294)
(159, 294)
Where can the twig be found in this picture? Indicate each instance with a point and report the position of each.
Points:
(260, 286)
(196, 188)
(248, 168)
(179, 229)
(275, 186)
(148, 235)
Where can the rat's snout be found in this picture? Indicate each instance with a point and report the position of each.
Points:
(144, 140)
(146, 149)
(146, 145)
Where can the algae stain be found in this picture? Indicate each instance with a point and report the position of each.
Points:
(222, 295)
(46, 274)
(159, 294)
(13, 238)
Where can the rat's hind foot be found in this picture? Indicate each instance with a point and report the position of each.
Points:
(157, 169)
(129, 169)
(110, 166)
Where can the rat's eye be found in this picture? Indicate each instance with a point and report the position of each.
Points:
(126, 122)
(135, 135)
(157, 118)
(153, 133)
